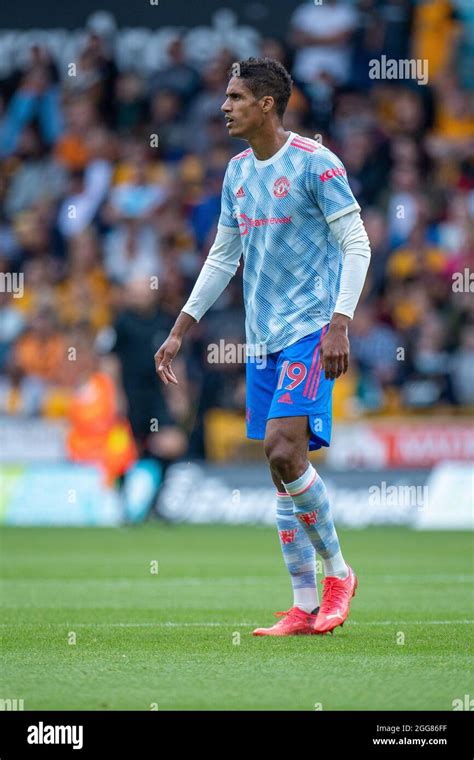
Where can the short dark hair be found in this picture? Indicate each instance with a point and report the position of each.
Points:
(265, 76)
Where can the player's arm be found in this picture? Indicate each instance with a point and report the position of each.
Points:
(218, 268)
(350, 233)
(328, 187)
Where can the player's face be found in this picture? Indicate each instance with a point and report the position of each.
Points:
(243, 113)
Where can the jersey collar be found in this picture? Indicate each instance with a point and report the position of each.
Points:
(276, 156)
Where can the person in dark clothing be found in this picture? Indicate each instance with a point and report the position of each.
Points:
(139, 329)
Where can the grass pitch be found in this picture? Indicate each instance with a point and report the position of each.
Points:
(180, 638)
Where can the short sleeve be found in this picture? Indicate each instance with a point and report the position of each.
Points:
(328, 185)
(228, 220)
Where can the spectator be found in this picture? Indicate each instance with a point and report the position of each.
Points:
(35, 175)
(12, 323)
(85, 295)
(321, 35)
(462, 368)
(81, 116)
(178, 76)
(168, 124)
(130, 101)
(374, 349)
(35, 99)
(428, 380)
(20, 394)
(41, 351)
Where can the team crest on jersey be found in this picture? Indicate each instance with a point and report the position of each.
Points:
(281, 187)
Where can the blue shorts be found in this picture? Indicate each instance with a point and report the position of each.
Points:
(290, 383)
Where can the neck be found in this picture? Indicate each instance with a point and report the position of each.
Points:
(268, 141)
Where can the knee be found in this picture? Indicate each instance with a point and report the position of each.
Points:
(279, 453)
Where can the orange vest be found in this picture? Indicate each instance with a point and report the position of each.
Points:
(97, 434)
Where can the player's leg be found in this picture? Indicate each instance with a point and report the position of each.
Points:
(298, 552)
(286, 445)
(285, 439)
(300, 414)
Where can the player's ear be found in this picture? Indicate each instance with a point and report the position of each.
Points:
(267, 103)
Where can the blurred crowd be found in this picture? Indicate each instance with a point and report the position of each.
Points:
(110, 194)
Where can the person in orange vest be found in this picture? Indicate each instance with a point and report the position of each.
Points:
(99, 434)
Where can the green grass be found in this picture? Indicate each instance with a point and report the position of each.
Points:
(168, 638)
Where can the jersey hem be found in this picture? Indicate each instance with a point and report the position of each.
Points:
(304, 333)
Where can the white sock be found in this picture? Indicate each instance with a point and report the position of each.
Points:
(336, 566)
(306, 599)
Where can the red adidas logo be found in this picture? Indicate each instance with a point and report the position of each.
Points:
(240, 192)
(285, 399)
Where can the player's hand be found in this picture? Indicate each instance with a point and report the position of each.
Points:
(164, 357)
(334, 352)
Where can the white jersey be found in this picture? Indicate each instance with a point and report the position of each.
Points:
(292, 263)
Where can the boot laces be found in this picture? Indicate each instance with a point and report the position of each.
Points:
(333, 594)
(291, 613)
